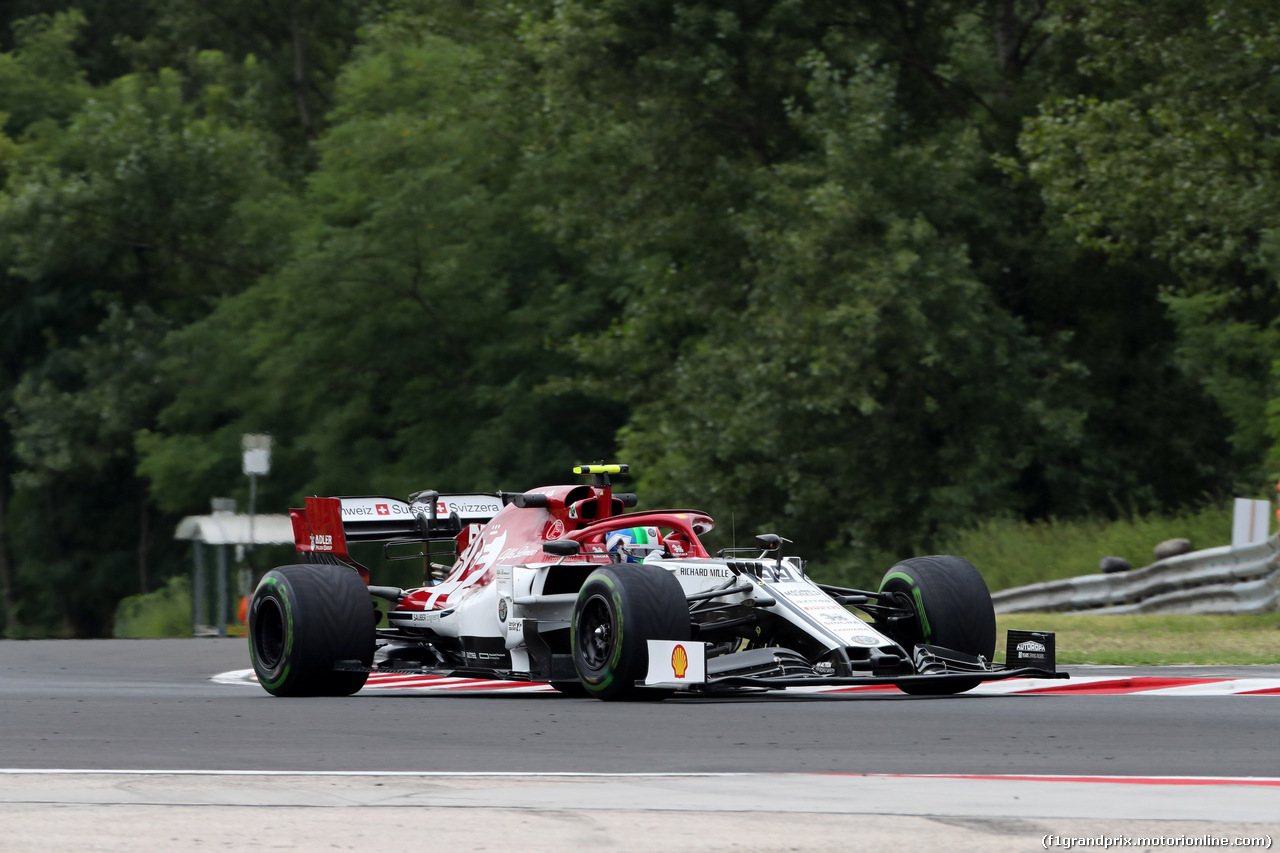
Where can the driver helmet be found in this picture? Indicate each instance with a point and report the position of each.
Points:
(634, 543)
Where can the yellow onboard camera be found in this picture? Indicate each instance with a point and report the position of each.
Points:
(600, 469)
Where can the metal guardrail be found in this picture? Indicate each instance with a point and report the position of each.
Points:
(1214, 580)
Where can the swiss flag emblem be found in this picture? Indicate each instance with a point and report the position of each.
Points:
(383, 509)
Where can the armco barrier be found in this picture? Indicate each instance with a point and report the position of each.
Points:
(1215, 580)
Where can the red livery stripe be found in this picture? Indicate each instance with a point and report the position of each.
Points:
(1124, 685)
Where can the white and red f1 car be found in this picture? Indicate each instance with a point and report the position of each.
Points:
(562, 585)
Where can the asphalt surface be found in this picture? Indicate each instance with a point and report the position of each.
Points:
(121, 704)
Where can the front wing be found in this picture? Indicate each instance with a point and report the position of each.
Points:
(681, 665)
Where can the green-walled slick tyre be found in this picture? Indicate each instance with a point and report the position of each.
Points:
(619, 609)
(953, 609)
(304, 619)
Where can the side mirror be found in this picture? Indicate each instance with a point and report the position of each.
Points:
(769, 542)
(562, 547)
(423, 506)
(530, 499)
(629, 499)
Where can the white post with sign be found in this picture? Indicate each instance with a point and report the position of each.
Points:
(256, 463)
(222, 507)
(1251, 523)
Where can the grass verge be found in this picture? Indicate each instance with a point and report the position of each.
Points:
(1014, 553)
(1153, 639)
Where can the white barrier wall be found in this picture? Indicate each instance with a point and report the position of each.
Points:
(1228, 579)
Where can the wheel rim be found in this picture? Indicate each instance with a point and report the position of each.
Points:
(596, 633)
(268, 632)
(906, 633)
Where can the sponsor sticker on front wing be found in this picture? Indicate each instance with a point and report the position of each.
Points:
(676, 662)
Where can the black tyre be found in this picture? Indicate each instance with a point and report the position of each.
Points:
(619, 609)
(570, 688)
(303, 619)
(953, 609)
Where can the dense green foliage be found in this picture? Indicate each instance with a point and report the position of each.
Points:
(866, 274)
(163, 613)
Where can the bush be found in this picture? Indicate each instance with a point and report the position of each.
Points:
(1014, 553)
(163, 613)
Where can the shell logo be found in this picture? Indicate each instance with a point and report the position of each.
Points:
(679, 661)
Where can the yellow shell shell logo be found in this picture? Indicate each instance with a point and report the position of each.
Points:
(679, 661)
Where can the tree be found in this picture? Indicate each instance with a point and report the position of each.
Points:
(809, 195)
(860, 272)
(123, 219)
(290, 51)
(39, 83)
(1171, 159)
(409, 342)
(870, 395)
(104, 28)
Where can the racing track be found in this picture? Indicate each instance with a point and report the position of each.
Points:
(150, 705)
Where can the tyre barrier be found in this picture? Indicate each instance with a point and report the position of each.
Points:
(1214, 580)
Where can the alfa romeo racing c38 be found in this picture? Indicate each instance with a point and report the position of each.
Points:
(565, 585)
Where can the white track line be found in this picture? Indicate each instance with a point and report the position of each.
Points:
(23, 771)
(1267, 781)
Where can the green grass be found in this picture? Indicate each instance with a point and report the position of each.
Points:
(163, 613)
(1015, 553)
(1153, 639)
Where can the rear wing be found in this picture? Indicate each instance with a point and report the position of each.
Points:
(326, 525)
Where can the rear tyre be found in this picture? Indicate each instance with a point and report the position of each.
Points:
(953, 609)
(302, 620)
(619, 609)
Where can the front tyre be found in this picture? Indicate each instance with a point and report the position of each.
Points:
(303, 619)
(570, 688)
(619, 609)
(952, 608)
